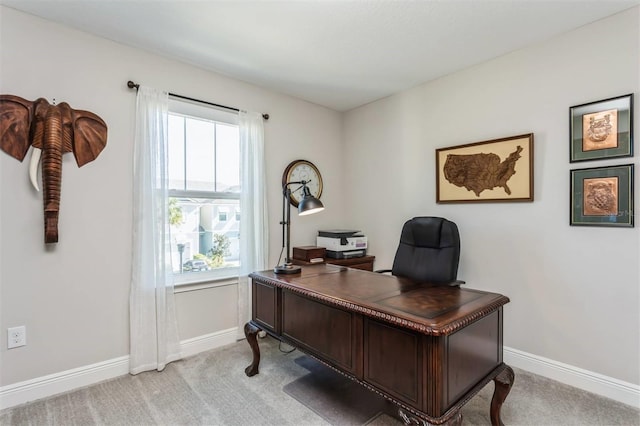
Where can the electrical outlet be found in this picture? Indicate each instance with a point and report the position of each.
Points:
(16, 337)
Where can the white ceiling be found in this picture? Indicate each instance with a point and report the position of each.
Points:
(340, 54)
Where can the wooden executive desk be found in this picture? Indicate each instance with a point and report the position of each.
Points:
(427, 349)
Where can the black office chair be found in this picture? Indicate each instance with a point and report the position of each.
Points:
(429, 251)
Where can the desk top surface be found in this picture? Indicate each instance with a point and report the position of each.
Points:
(435, 310)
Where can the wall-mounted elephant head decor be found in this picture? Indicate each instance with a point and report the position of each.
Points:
(52, 130)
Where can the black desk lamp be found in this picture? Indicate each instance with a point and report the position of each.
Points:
(308, 205)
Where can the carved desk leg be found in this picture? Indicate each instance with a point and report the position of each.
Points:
(503, 383)
(251, 333)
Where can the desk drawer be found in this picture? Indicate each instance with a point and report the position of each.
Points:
(365, 263)
(332, 334)
(364, 266)
(393, 361)
(265, 306)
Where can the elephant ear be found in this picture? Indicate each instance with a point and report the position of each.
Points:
(15, 122)
(89, 136)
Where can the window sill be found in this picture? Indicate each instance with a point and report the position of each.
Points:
(205, 276)
(203, 280)
(204, 284)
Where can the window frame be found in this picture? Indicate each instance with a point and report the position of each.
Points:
(194, 110)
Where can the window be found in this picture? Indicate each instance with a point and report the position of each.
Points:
(204, 187)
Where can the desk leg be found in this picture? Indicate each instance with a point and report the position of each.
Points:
(503, 383)
(251, 333)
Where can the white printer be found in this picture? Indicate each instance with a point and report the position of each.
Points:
(342, 243)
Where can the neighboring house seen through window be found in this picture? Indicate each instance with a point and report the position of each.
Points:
(204, 192)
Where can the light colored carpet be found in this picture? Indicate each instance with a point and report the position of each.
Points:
(335, 398)
(212, 389)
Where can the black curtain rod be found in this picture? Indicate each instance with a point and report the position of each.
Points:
(132, 85)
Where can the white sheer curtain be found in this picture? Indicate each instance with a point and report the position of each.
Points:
(154, 330)
(254, 227)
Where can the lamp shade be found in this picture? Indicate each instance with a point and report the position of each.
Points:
(309, 204)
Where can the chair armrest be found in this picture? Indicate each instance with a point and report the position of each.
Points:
(383, 271)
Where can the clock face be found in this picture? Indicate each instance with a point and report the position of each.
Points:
(302, 170)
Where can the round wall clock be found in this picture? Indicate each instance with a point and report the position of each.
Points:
(302, 170)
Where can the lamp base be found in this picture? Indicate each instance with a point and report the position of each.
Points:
(287, 268)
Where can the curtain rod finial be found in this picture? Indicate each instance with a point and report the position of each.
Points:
(132, 85)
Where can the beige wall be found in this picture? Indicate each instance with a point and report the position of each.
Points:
(198, 313)
(73, 297)
(575, 291)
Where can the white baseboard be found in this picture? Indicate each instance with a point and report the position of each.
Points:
(615, 389)
(208, 341)
(41, 387)
(52, 384)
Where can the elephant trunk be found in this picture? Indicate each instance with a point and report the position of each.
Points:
(52, 173)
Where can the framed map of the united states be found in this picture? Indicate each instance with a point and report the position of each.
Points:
(498, 170)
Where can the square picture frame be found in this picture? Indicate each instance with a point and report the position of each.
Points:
(602, 129)
(498, 170)
(602, 196)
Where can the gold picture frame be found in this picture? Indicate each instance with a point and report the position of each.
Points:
(498, 170)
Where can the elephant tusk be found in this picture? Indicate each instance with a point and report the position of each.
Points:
(33, 167)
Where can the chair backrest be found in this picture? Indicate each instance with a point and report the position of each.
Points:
(429, 250)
